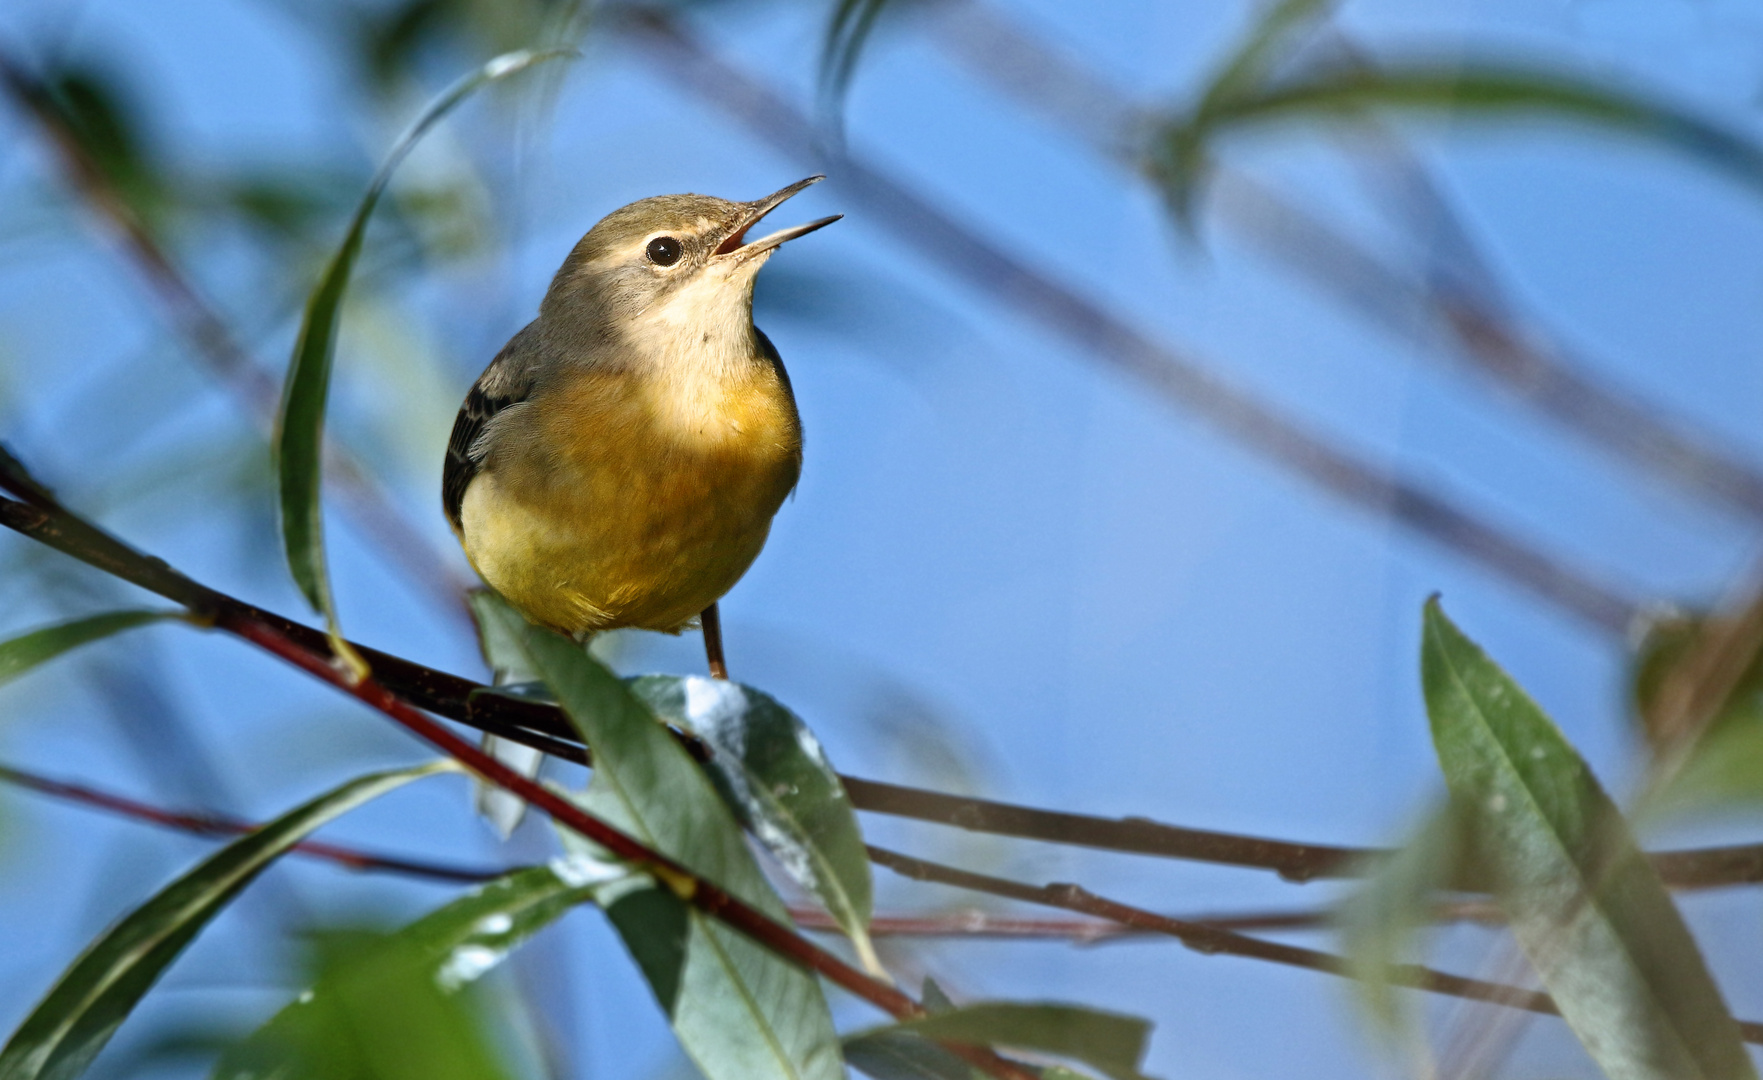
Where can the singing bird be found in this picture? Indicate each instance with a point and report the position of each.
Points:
(619, 462)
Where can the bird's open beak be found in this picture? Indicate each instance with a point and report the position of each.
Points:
(735, 243)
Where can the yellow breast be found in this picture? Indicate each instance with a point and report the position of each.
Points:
(633, 500)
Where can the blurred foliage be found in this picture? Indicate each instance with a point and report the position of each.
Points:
(375, 1012)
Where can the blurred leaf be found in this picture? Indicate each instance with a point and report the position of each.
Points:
(901, 1055)
(932, 997)
(1255, 60)
(1582, 900)
(376, 1011)
(300, 428)
(26, 651)
(847, 31)
(1113, 1043)
(772, 771)
(96, 113)
(93, 997)
(740, 1012)
(1390, 907)
(1725, 766)
(437, 955)
(1456, 89)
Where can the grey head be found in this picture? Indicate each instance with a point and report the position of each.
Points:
(673, 256)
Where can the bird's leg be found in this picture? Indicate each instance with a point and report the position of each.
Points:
(712, 623)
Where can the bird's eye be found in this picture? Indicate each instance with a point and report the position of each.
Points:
(663, 251)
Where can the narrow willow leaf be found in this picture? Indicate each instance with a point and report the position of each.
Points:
(739, 1011)
(1582, 900)
(1183, 150)
(299, 437)
(847, 32)
(1110, 1042)
(773, 773)
(93, 997)
(26, 651)
(1461, 91)
(1379, 921)
(449, 948)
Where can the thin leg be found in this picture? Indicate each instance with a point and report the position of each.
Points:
(712, 623)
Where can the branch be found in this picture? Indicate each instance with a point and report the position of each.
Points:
(208, 335)
(961, 924)
(217, 825)
(546, 728)
(1463, 305)
(1176, 378)
(307, 650)
(1212, 941)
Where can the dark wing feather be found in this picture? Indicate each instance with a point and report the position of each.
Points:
(493, 392)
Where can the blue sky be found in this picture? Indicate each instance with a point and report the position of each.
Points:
(1006, 565)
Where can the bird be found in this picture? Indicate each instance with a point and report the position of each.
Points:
(618, 464)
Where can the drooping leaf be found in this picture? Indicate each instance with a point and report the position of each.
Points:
(512, 676)
(1460, 91)
(376, 1011)
(773, 773)
(1391, 907)
(1582, 900)
(323, 1033)
(26, 651)
(96, 993)
(740, 1012)
(1110, 1042)
(299, 436)
(841, 46)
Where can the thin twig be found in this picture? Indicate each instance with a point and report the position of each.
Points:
(543, 726)
(1214, 941)
(366, 502)
(1174, 377)
(218, 825)
(960, 924)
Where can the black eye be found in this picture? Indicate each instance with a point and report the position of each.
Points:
(663, 251)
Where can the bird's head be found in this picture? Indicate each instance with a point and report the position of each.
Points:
(675, 259)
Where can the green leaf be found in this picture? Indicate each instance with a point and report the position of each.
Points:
(901, 1055)
(445, 950)
(841, 46)
(739, 1011)
(1113, 1043)
(299, 439)
(375, 1012)
(772, 771)
(93, 997)
(1582, 900)
(1460, 91)
(26, 651)
(1391, 907)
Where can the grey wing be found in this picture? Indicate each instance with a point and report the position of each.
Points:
(500, 386)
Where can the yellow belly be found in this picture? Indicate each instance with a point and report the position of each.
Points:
(633, 518)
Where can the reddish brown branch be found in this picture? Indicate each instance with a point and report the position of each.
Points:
(544, 726)
(1212, 941)
(215, 825)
